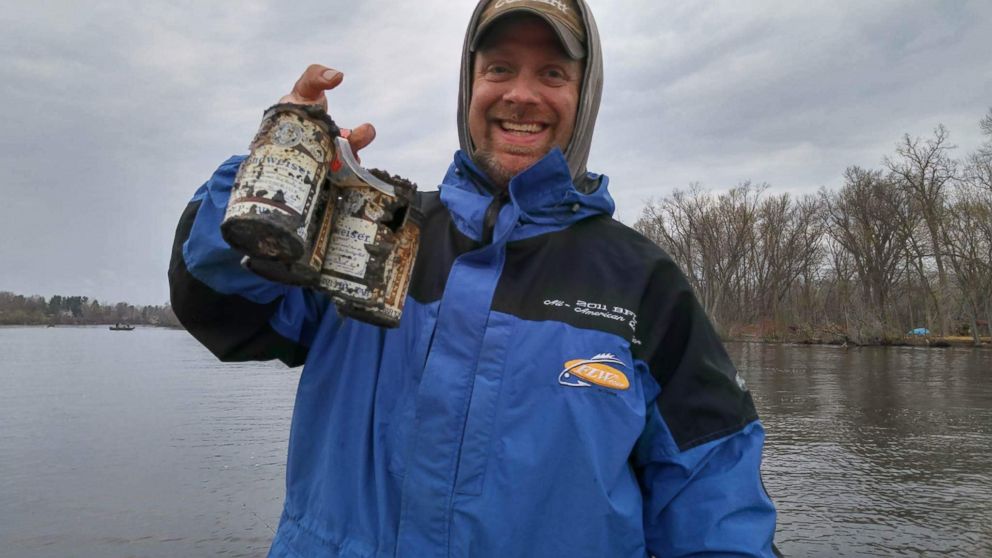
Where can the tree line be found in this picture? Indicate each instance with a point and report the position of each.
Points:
(79, 310)
(904, 246)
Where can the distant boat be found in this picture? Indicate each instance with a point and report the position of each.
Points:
(121, 327)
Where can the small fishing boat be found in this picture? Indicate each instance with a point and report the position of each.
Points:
(121, 327)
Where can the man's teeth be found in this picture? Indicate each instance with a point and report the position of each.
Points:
(521, 127)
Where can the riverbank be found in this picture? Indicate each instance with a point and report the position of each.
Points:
(839, 341)
(36, 310)
(914, 341)
(101, 326)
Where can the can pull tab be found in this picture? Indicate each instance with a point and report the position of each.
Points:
(336, 163)
(348, 172)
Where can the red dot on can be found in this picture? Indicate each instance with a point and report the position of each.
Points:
(336, 165)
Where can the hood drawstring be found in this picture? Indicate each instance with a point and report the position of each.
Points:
(492, 215)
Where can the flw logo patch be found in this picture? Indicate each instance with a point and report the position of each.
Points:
(599, 370)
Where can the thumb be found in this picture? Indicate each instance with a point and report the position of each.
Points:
(361, 137)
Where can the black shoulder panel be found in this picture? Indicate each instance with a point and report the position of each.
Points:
(702, 397)
(440, 244)
(232, 327)
(600, 274)
(590, 275)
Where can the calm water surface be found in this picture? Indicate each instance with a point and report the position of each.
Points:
(117, 444)
(876, 451)
(140, 444)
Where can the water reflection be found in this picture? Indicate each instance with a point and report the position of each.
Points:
(137, 444)
(876, 451)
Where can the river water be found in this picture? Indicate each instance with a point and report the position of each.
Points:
(120, 444)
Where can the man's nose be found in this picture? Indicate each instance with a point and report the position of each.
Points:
(523, 90)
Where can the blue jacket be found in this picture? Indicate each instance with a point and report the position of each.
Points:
(554, 388)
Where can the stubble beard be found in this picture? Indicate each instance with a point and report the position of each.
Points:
(498, 173)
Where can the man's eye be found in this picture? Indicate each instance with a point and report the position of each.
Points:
(555, 76)
(497, 70)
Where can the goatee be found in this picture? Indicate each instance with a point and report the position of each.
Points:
(498, 174)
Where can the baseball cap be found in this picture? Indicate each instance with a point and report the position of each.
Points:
(562, 15)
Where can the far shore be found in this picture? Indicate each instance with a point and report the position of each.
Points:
(926, 341)
(914, 341)
(64, 325)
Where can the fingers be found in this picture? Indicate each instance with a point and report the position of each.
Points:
(358, 138)
(309, 89)
(361, 136)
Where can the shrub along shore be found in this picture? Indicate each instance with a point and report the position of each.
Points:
(79, 310)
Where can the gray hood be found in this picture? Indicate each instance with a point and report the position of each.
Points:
(577, 153)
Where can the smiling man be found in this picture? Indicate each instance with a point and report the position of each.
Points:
(525, 94)
(553, 389)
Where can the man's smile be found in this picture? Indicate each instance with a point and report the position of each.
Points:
(522, 128)
(520, 137)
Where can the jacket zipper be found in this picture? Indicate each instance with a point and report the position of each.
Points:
(488, 227)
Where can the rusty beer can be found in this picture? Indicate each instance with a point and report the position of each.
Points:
(374, 238)
(279, 199)
(304, 271)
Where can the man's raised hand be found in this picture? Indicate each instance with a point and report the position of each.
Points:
(309, 90)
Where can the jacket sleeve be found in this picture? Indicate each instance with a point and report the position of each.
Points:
(236, 314)
(698, 459)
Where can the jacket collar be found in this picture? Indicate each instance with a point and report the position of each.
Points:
(542, 198)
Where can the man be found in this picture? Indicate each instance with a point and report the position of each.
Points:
(554, 388)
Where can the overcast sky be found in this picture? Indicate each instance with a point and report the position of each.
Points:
(114, 112)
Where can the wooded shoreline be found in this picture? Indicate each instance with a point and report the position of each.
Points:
(58, 310)
(901, 249)
(925, 342)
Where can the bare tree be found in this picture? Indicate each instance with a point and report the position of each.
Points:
(969, 239)
(671, 223)
(925, 170)
(707, 236)
(978, 168)
(787, 247)
(986, 125)
(863, 218)
(970, 231)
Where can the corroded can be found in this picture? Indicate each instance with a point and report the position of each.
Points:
(305, 270)
(279, 198)
(374, 238)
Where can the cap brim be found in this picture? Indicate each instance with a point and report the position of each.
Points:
(572, 45)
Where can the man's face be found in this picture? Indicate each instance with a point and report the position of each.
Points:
(525, 93)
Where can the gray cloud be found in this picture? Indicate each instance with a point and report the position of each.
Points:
(116, 112)
(785, 92)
